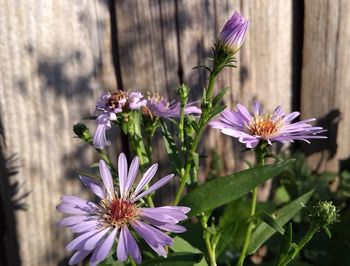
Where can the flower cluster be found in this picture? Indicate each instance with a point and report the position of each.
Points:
(98, 225)
(160, 107)
(109, 105)
(251, 128)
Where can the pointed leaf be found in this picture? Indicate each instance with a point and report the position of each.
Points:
(226, 237)
(285, 244)
(221, 190)
(283, 215)
(181, 245)
(271, 221)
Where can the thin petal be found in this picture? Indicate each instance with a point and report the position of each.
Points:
(93, 186)
(72, 220)
(106, 178)
(122, 252)
(122, 173)
(146, 178)
(84, 227)
(76, 242)
(131, 246)
(101, 252)
(100, 140)
(154, 187)
(133, 170)
(78, 256)
(174, 228)
(91, 243)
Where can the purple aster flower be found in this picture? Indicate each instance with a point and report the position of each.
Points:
(251, 128)
(98, 226)
(111, 104)
(160, 107)
(233, 33)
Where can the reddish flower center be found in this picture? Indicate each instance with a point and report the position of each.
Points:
(263, 126)
(119, 211)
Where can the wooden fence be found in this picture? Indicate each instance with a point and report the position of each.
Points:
(58, 56)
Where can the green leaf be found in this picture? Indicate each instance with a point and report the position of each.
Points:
(181, 245)
(285, 244)
(170, 147)
(283, 215)
(176, 259)
(222, 190)
(216, 110)
(226, 237)
(268, 219)
(218, 97)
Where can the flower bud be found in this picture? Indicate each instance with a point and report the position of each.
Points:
(323, 214)
(233, 33)
(82, 132)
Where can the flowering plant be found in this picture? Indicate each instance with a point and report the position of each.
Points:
(124, 226)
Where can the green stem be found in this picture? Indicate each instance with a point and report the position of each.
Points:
(249, 230)
(260, 159)
(104, 157)
(308, 236)
(201, 124)
(211, 252)
(210, 89)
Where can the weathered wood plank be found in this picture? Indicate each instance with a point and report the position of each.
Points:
(325, 79)
(52, 68)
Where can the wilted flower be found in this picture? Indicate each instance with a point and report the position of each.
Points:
(251, 128)
(98, 225)
(160, 107)
(111, 104)
(233, 33)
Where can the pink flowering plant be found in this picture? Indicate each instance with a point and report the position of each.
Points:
(124, 225)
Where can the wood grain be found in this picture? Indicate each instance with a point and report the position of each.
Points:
(325, 84)
(52, 69)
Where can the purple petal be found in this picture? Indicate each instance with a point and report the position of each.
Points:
(93, 186)
(154, 187)
(174, 228)
(76, 242)
(173, 212)
(133, 170)
(122, 252)
(78, 256)
(243, 111)
(84, 226)
(149, 237)
(91, 243)
(100, 140)
(106, 178)
(146, 178)
(72, 220)
(77, 209)
(154, 235)
(131, 246)
(101, 252)
(122, 173)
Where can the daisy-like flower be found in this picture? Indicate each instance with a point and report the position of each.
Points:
(233, 33)
(160, 107)
(108, 106)
(277, 126)
(98, 226)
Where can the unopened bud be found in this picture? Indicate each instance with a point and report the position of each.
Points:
(323, 214)
(82, 132)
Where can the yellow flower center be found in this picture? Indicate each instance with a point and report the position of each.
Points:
(264, 126)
